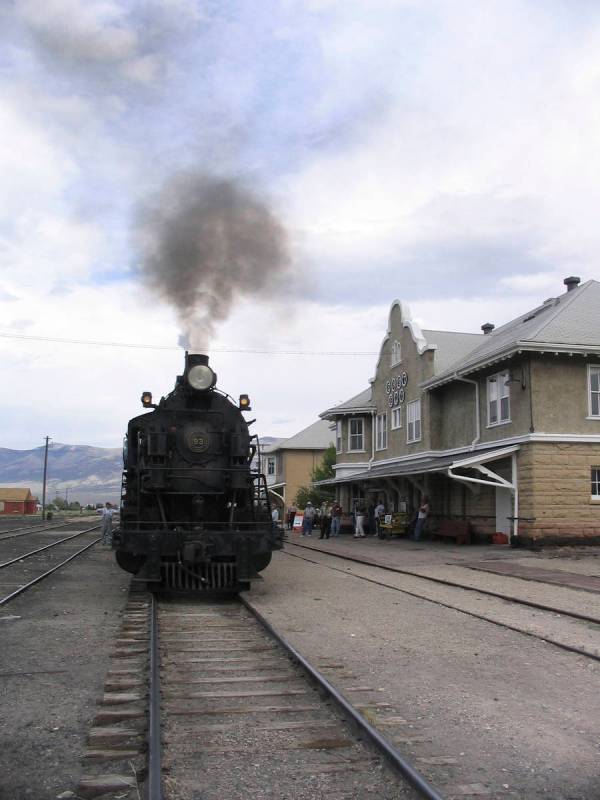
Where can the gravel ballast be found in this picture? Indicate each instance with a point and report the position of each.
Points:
(488, 711)
(56, 641)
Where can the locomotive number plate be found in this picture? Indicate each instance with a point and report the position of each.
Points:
(198, 441)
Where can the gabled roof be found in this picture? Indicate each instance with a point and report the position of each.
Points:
(568, 323)
(10, 495)
(451, 347)
(317, 436)
(360, 403)
(447, 346)
(268, 447)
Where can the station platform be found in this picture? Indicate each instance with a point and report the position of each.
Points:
(573, 567)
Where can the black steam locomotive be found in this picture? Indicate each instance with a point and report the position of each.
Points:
(195, 514)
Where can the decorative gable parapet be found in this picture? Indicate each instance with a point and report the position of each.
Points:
(413, 326)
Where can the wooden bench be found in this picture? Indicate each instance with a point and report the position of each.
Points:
(459, 529)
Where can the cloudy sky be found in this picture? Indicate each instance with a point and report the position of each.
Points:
(444, 153)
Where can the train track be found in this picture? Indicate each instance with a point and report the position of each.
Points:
(547, 609)
(236, 712)
(16, 570)
(39, 527)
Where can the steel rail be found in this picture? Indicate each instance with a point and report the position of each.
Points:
(45, 525)
(46, 574)
(395, 758)
(455, 584)
(47, 547)
(569, 648)
(13, 533)
(154, 788)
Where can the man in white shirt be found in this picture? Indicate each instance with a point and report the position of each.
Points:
(421, 518)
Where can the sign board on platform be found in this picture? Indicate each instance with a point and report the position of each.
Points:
(298, 520)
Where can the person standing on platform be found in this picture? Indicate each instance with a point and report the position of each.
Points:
(379, 515)
(360, 522)
(421, 517)
(325, 521)
(290, 518)
(309, 517)
(371, 520)
(107, 515)
(336, 519)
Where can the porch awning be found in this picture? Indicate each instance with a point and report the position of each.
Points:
(418, 466)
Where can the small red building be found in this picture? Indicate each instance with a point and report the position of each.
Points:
(17, 501)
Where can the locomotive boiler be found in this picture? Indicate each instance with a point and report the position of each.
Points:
(195, 511)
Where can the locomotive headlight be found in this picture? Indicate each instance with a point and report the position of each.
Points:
(201, 377)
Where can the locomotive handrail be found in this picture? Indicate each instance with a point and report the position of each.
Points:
(174, 470)
(207, 526)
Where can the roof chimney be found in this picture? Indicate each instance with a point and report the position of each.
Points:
(488, 327)
(571, 283)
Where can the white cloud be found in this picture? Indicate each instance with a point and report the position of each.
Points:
(92, 30)
(444, 154)
(482, 120)
(34, 170)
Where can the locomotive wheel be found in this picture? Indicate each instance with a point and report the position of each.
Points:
(129, 562)
(261, 561)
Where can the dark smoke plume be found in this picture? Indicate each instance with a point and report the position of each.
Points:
(206, 242)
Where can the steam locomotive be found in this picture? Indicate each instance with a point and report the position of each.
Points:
(195, 513)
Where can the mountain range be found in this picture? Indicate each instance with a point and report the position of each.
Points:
(86, 474)
(90, 474)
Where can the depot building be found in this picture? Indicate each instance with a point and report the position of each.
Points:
(501, 429)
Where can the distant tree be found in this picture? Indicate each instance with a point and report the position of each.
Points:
(325, 469)
(318, 494)
(59, 502)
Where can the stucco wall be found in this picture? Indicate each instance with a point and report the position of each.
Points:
(452, 409)
(560, 395)
(297, 470)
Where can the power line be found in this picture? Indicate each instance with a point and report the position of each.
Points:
(139, 346)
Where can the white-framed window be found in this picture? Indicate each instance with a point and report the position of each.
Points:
(396, 353)
(498, 396)
(271, 465)
(355, 434)
(594, 390)
(381, 431)
(596, 483)
(396, 418)
(338, 436)
(413, 421)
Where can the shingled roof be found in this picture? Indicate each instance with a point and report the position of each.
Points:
(11, 495)
(361, 402)
(569, 323)
(450, 346)
(317, 436)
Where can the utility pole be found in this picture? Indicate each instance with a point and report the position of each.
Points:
(44, 485)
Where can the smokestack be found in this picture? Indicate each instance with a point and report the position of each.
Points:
(571, 283)
(487, 328)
